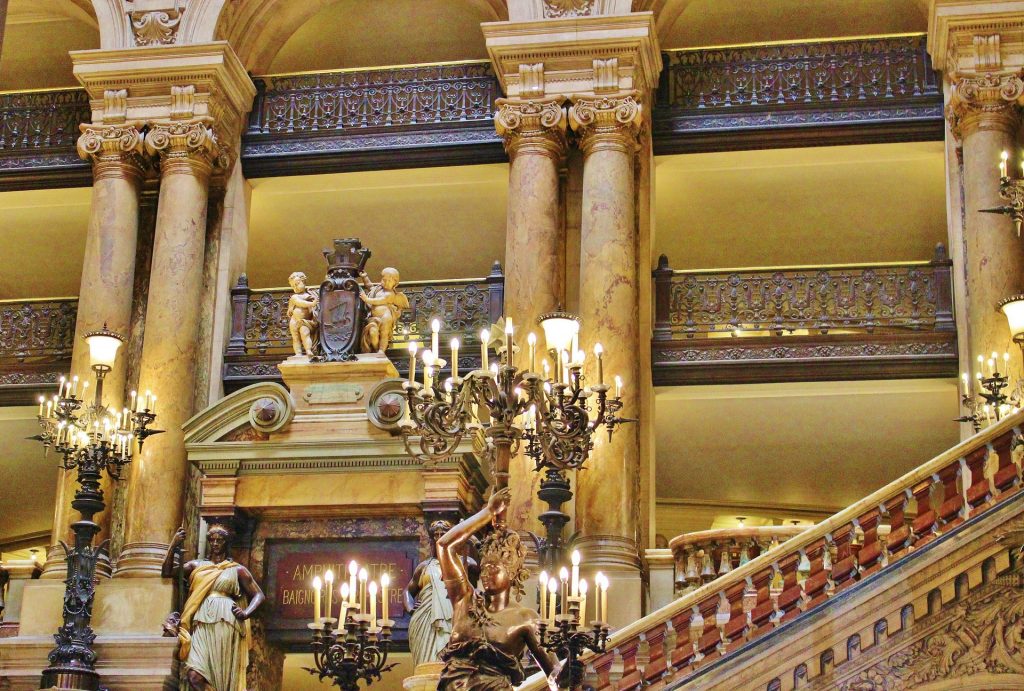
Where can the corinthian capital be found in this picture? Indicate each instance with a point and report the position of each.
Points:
(535, 126)
(985, 102)
(188, 146)
(113, 150)
(606, 122)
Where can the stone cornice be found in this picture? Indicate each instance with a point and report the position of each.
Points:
(568, 48)
(606, 122)
(532, 126)
(953, 24)
(114, 150)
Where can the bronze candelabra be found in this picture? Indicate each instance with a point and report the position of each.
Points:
(354, 651)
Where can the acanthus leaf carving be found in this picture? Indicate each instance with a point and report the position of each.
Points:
(985, 101)
(538, 125)
(156, 27)
(606, 121)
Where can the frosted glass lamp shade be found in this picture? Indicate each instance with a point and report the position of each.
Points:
(1013, 308)
(103, 346)
(559, 329)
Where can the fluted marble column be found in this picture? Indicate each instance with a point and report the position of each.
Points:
(985, 115)
(105, 294)
(607, 501)
(167, 368)
(534, 134)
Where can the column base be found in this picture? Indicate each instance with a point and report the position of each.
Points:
(141, 560)
(424, 677)
(69, 679)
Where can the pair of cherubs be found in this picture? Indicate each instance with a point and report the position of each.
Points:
(383, 299)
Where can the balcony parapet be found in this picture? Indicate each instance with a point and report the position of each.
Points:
(703, 556)
(798, 94)
(38, 130)
(864, 321)
(36, 340)
(260, 339)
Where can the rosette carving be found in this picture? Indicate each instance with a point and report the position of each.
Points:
(606, 122)
(114, 150)
(189, 145)
(536, 126)
(986, 101)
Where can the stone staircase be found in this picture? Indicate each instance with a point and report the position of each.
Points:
(879, 596)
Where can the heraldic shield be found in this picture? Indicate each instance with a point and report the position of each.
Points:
(341, 311)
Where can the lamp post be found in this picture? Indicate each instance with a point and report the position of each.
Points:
(89, 438)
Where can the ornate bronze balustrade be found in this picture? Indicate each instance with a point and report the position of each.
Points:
(853, 91)
(259, 324)
(36, 339)
(703, 556)
(418, 115)
(804, 323)
(877, 535)
(38, 130)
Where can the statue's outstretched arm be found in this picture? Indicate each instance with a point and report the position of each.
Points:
(167, 568)
(452, 569)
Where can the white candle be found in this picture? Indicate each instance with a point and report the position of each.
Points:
(509, 343)
(373, 602)
(618, 386)
(1003, 157)
(565, 366)
(428, 362)
(353, 568)
(546, 368)
(563, 576)
(60, 388)
(74, 387)
(552, 598)
(435, 329)
(316, 600)
(599, 353)
(152, 408)
(532, 340)
(542, 586)
(132, 404)
(329, 586)
(485, 336)
(604, 598)
(583, 602)
(362, 591)
(575, 589)
(344, 605)
(385, 581)
(455, 358)
(413, 347)
(42, 401)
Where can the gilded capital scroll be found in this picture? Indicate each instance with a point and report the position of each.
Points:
(606, 122)
(113, 150)
(535, 127)
(184, 147)
(985, 102)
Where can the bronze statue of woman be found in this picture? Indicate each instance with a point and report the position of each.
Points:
(214, 628)
(488, 633)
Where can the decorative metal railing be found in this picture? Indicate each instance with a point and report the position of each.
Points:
(915, 295)
(37, 329)
(386, 97)
(807, 75)
(42, 119)
(703, 556)
(868, 539)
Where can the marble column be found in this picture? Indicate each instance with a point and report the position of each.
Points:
(607, 503)
(105, 294)
(534, 134)
(985, 116)
(156, 488)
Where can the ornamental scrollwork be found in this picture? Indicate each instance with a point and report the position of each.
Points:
(992, 96)
(606, 121)
(156, 27)
(118, 145)
(42, 329)
(192, 141)
(535, 124)
(555, 9)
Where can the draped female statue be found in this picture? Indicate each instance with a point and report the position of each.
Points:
(214, 629)
(430, 626)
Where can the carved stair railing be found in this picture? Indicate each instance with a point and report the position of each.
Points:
(862, 542)
(862, 321)
(703, 556)
(36, 340)
(260, 339)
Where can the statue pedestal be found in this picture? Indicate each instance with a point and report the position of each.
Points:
(424, 677)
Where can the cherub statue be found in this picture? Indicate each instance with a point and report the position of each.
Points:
(386, 304)
(213, 630)
(489, 634)
(302, 320)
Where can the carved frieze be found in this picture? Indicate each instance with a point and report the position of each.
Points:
(37, 329)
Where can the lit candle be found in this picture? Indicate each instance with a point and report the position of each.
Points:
(152, 408)
(146, 403)
(385, 581)
(542, 586)
(344, 605)
(1003, 157)
(563, 576)
(485, 336)
(49, 408)
(546, 367)
(618, 386)
(316, 600)
(353, 568)
(455, 358)
(74, 382)
(575, 589)
(329, 586)
(132, 404)
(428, 362)
(604, 598)
(583, 602)
(599, 354)
(435, 329)
(992, 366)
(552, 598)
(362, 590)
(373, 602)
(967, 384)
(509, 342)
(60, 388)
(42, 401)
(413, 347)
(565, 366)
(532, 340)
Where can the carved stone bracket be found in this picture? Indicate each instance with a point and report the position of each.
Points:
(184, 147)
(536, 127)
(985, 102)
(114, 150)
(606, 123)
(156, 27)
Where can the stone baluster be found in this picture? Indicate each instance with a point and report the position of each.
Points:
(828, 564)
(187, 150)
(775, 589)
(749, 604)
(856, 544)
(912, 538)
(696, 631)
(882, 531)
(722, 616)
(609, 492)
(803, 573)
(105, 294)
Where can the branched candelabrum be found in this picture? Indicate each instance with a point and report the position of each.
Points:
(989, 403)
(1012, 190)
(357, 650)
(89, 439)
(564, 637)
